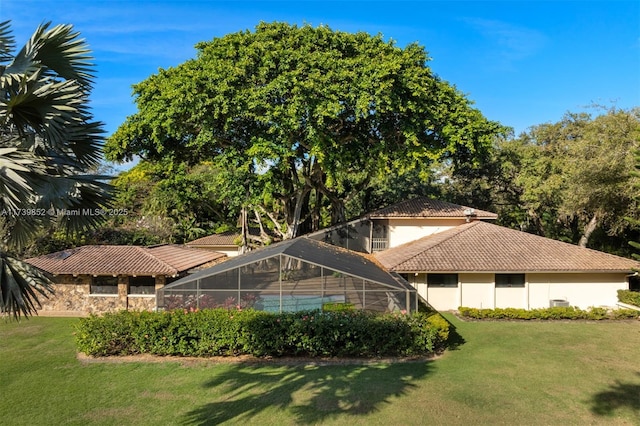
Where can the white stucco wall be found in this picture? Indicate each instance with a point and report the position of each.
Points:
(581, 290)
(438, 297)
(514, 297)
(441, 297)
(419, 282)
(402, 231)
(477, 290)
(230, 251)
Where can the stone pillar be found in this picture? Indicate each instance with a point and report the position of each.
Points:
(160, 282)
(123, 290)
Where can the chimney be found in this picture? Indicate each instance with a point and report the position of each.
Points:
(470, 214)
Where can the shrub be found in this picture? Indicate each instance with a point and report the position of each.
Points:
(109, 334)
(625, 314)
(337, 307)
(554, 313)
(630, 297)
(224, 332)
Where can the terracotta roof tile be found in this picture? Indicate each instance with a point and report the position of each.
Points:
(221, 239)
(183, 258)
(124, 260)
(427, 207)
(479, 246)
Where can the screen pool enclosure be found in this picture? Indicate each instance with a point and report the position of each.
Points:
(293, 275)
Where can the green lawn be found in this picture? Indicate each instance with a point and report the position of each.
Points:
(503, 373)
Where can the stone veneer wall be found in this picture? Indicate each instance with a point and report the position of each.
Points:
(72, 297)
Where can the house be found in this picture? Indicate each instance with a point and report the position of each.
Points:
(101, 278)
(454, 256)
(446, 254)
(482, 265)
(400, 223)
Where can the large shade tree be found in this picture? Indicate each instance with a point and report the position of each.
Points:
(582, 167)
(300, 120)
(572, 180)
(49, 146)
(635, 221)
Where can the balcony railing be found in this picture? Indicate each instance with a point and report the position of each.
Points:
(379, 244)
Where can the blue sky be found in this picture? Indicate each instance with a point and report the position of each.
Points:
(522, 63)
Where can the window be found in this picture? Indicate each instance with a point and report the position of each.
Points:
(104, 285)
(142, 285)
(509, 280)
(634, 283)
(442, 280)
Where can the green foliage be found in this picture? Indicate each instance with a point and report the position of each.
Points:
(173, 201)
(438, 322)
(554, 313)
(337, 307)
(634, 221)
(50, 148)
(222, 332)
(573, 180)
(300, 120)
(630, 297)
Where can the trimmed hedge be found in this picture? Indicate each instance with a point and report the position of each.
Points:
(555, 313)
(222, 332)
(630, 297)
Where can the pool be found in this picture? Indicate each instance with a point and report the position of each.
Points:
(293, 303)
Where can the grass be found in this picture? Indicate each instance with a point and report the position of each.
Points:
(503, 373)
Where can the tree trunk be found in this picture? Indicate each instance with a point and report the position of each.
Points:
(588, 230)
(264, 237)
(245, 230)
(316, 214)
(296, 220)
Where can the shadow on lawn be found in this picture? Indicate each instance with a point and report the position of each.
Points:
(455, 339)
(618, 395)
(309, 394)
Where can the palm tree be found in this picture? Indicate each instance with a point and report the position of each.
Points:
(49, 145)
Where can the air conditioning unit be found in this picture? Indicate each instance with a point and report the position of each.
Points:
(558, 302)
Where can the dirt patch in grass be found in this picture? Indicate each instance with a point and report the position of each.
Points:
(248, 359)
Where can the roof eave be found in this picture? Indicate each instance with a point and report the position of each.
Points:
(509, 271)
(435, 217)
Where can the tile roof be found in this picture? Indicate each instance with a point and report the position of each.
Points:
(221, 239)
(124, 260)
(483, 247)
(427, 207)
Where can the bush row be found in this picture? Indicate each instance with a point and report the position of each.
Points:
(222, 332)
(630, 297)
(555, 313)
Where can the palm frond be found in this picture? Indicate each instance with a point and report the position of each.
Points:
(85, 141)
(7, 42)
(20, 286)
(48, 143)
(86, 196)
(15, 188)
(64, 54)
(53, 110)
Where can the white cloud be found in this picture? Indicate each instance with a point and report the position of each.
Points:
(508, 43)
